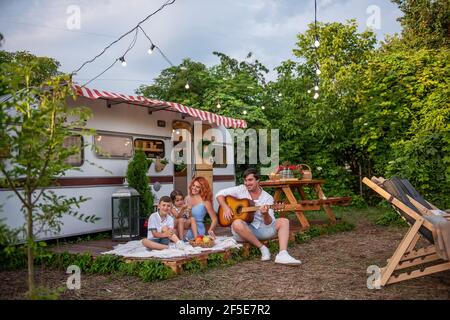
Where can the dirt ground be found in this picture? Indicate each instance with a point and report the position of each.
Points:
(334, 267)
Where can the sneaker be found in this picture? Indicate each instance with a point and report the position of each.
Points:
(283, 257)
(265, 253)
(180, 245)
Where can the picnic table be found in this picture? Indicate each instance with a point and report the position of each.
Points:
(286, 187)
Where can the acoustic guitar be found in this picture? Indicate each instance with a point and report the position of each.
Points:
(242, 209)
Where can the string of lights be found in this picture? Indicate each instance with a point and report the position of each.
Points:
(122, 57)
(316, 46)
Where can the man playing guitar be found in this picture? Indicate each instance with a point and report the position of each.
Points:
(264, 225)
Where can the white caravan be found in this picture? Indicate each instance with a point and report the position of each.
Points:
(123, 123)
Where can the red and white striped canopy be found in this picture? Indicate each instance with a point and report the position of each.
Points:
(196, 113)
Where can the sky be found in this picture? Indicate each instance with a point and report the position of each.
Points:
(75, 31)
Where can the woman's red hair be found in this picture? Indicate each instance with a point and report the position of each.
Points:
(205, 190)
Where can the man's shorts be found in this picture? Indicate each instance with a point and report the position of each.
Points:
(264, 232)
(165, 241)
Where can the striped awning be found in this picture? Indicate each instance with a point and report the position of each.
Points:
(139, 100)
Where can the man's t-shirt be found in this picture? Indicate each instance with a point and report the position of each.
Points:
(241, 192)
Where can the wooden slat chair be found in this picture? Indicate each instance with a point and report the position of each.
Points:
(406, 255)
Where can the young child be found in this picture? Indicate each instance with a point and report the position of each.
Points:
(161, 227)
(181, 214)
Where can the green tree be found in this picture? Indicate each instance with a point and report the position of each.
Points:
(426, 23)
(328, 123)
(34, 122)
(405, 125)
(137, 178)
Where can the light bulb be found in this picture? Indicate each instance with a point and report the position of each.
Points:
(309, 91)
(173, 130)
(316, 95)
(124, 63)
(280, 94)
(245, 112)
(316, 43)
(318, 71)
(218, 105)
(178, 132)
(152, 47)
(262, 107)
(316, 88)
(187, 86)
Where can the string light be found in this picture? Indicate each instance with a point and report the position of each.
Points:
(316, 87)
(316, 43)
(244, 112)
(262, 107)
(218, 105)
(124, 63)
(122, 58)
(318, 72)
(316, 95)
(187, 86)
(309, 91)
(152, 47)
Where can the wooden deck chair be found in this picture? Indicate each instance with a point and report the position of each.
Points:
(418, 261)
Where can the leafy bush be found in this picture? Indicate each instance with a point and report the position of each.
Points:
(137, 178)
(391, 218)
(154, 270)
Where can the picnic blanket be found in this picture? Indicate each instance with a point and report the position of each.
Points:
(135, 249)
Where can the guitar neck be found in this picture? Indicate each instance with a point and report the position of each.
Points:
(251, 209)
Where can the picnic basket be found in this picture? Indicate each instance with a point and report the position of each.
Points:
(306, 173)
(202, 244)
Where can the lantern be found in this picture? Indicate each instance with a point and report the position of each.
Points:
(125, 213)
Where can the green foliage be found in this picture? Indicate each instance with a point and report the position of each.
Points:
(215, 260)
(391, 218)
(192, 266)
(425, 23)
(154, 270)
(42, 69)
(44, 293)
(34, 123)
(13, 257)
(137, 178)
(315, 231)
(7, 235)
(358, 202)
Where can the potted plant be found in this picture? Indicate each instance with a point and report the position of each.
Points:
(138, 179)
(180, 168)
(160, 164)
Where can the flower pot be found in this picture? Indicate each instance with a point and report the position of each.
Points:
(159, 166)
(143, 227)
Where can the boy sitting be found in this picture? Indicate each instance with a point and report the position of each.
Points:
(161, 227)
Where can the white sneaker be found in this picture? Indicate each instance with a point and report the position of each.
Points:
(265, 253)
(283, 257)
(180, 245)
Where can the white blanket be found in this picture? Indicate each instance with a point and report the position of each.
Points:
(135, 249)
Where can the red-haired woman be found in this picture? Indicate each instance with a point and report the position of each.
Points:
(200, 202)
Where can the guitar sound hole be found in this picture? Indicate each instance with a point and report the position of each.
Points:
(238, 210)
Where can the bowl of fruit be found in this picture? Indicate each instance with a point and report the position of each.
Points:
(202, 241)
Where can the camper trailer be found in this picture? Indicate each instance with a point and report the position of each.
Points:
(123, 124)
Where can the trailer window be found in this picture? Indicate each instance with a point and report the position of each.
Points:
(220, 156)
(75, 160)
(111, 146)
(152, 148)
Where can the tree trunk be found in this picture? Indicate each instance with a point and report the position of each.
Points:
(30, 248)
